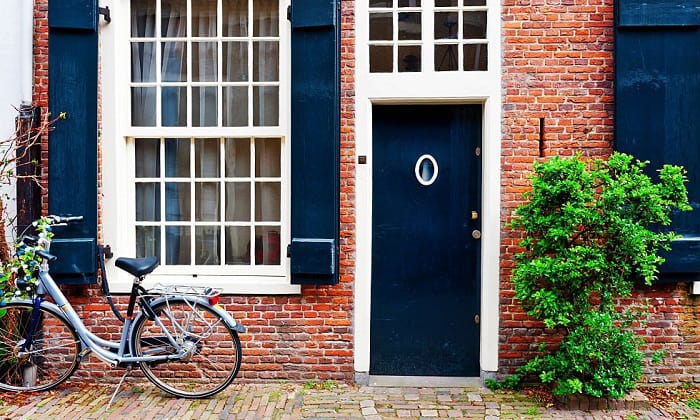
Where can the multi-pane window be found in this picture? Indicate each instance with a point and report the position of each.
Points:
(404, 34)
(395, 35)
(205, 63)
(460, 35)
(212, 67)
(209, 201)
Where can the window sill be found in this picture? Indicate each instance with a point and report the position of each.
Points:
(239, 285)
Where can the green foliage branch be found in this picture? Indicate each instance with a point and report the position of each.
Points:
(24, 265)
(590, 229)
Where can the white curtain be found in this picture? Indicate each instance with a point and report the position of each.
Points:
(173, 62)
(143, 64)
(235, 57)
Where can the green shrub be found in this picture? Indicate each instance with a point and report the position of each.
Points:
(590, 229)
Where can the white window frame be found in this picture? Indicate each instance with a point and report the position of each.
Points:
(428, 41)
(118, 172)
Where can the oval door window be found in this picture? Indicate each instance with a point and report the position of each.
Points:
(426, 169)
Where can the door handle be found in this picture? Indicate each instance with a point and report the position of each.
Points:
(476, 234)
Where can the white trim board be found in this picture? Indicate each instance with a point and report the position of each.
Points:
(430, 88)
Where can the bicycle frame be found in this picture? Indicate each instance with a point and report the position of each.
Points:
(122, 350)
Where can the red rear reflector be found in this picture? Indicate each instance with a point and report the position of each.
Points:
(214, 300)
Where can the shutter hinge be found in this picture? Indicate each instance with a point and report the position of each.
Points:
(289, 12)
(104, 11)
(107, 251)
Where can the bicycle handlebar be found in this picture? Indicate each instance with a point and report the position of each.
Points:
(65, 219)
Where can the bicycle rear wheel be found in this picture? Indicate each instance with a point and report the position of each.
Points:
(212, 349)
(49, 360)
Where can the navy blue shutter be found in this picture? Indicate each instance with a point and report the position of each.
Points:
(657, 105)
(315, 141)
(73, 142)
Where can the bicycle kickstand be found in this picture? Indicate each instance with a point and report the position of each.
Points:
(114, 395)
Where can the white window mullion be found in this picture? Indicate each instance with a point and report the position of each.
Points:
(159, 77)
(219, 64)
(193, 202)
(161, 182)
(253, 141)
(460, 37)
(251, 77)
(428, 36)
(188, 43)
(222, 198)
(395, 38)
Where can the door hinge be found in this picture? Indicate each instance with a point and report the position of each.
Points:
(289, 12)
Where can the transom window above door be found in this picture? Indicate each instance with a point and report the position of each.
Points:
(427, 35)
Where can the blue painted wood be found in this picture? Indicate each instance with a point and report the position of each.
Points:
(77, 260)
(313, 257)
(425, 262)
(73, 14)
(315, 139)
(73, 146)
(657, 118)
(313, 13)
(658, 12)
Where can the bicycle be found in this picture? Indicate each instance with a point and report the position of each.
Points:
(183, 341)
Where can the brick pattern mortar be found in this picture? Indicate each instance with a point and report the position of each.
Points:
(302, 337)
(558, 73)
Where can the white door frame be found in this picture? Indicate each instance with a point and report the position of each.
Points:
(430, 88)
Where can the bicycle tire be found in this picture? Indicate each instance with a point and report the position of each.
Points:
(215, 349)
(52, 357)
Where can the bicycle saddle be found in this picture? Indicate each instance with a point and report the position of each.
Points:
(138, 267)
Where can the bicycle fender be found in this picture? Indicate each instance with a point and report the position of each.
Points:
(228, 319)
(50, 306)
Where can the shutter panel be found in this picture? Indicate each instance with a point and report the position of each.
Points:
(73, 142)
(657, 111)
(658, 13)
(315, 141)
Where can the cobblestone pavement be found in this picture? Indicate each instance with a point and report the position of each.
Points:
(298, 400)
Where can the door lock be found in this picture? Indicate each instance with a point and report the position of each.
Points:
(475, 215)
(476, 234)
(477, 319)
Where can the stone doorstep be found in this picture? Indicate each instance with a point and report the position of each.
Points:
(634, 400)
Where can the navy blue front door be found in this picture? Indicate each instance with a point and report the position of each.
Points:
(425, 249)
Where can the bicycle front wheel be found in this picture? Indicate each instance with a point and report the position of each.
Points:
(208, 351)
(49, 359)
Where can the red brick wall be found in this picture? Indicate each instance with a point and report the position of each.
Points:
(303, 337)
(558, 68)
(40, 95)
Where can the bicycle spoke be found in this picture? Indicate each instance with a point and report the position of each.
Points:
(210, 350)
(52, 354)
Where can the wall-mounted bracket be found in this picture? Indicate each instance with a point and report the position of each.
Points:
(104, 11)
